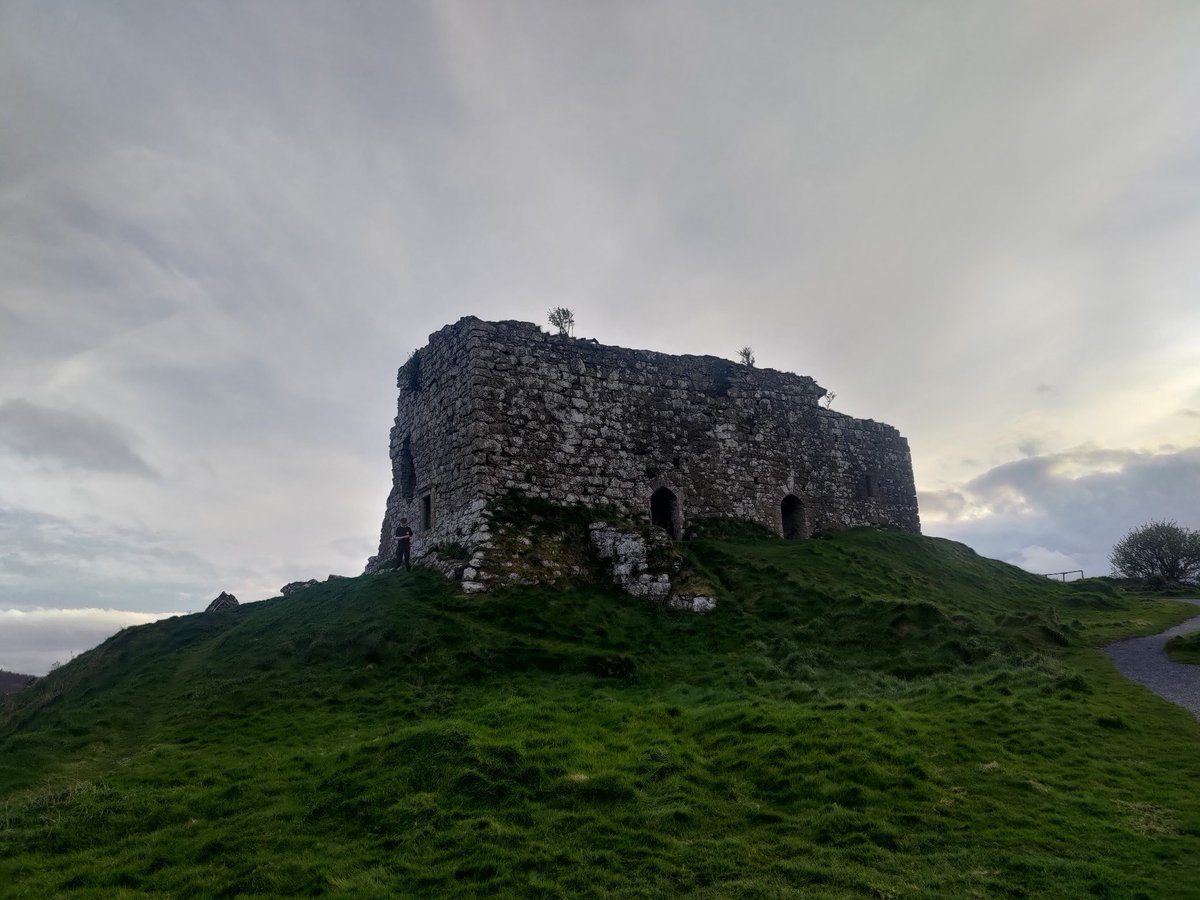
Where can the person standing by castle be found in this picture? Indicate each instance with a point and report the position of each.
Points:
(403, 544)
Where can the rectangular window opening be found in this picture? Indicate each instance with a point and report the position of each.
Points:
(426, 512)
(870, 485)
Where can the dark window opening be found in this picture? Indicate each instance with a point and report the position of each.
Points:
(426, 512)
(792, 514)
(664, 512)
(408, 470)
(868, 486)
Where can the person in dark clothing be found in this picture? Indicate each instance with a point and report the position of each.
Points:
(403, 545)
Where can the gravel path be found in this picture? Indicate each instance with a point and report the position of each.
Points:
(1143, 660)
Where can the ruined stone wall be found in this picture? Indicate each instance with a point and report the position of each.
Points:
(435, 443)
(504, 406)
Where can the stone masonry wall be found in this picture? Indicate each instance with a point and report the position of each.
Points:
(502, 406)
(435, 444)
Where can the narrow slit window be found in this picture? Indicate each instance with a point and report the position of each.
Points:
(791, 515)
(408, 470)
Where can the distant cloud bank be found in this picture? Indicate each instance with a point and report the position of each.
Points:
(1065, 510)
(32, 640)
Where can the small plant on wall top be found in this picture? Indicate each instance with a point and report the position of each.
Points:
(563, 320)
(413, 371)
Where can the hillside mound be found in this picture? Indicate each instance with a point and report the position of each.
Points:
(11, 682)
(869, 714)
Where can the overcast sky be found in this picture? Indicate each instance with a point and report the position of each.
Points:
(224, 225)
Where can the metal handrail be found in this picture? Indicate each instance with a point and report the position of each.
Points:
(1065, 574)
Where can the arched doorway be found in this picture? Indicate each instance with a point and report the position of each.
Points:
(664, 512)
(792, 514)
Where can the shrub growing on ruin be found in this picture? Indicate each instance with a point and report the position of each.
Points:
(413, 370)
(563, 320)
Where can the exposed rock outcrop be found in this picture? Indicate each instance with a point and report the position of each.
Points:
(222, 601)
(297, 585)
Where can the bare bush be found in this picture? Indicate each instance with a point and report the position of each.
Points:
(563, 319)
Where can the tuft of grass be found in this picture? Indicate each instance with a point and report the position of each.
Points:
(720, 528)
(1185, 648)
(872, 714)
(451, 550)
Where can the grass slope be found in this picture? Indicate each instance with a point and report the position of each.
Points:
(870, 715)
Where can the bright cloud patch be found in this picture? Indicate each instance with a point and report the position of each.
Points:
(1043, 560)
(32, 640)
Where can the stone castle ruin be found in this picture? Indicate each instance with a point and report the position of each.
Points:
(491, 408)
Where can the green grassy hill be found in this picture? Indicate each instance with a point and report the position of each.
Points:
(874, 714)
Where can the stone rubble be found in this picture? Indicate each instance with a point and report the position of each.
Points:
(296, 585)
(628, 556)
(222, 601)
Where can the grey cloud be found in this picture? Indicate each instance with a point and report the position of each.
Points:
(49, 561)
(309, 172)
(1077, 504)
(941, 505)
(1045, 561)
(76, 440)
